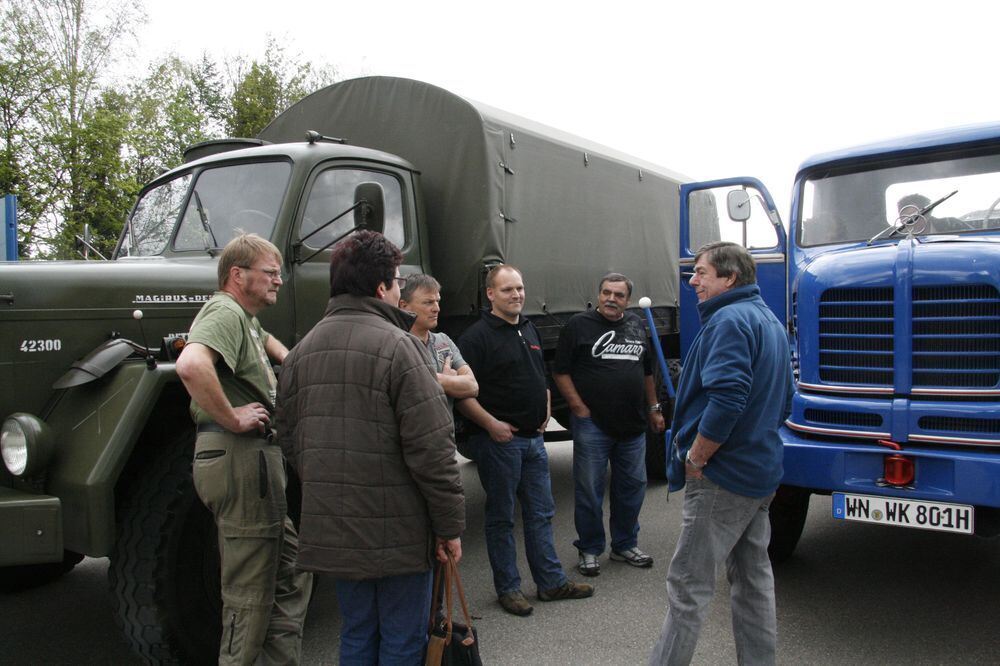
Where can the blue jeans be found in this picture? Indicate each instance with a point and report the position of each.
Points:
(384, 620)
(720, 526)
(518, 470)
(592, 450)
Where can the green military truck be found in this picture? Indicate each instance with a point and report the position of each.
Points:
(97, 439)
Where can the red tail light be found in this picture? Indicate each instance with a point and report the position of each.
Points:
(898, 470)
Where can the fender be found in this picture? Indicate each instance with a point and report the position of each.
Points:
(105, 358)
(96, 426)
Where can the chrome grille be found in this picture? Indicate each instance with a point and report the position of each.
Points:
(956, 336)
(855, 336)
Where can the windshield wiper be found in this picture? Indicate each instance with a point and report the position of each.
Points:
(203, 216)
(909, 220)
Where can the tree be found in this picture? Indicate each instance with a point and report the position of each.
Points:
(85, 38)
(107, 183)
(75, 146)
(170, 113)
(262, 90)
(210, 94)
(26, 77)
(55, 54)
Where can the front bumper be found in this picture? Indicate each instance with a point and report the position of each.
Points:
(942, 474)
(30, 528)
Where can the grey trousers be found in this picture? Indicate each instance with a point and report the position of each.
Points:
(264, 597)
(720, 526)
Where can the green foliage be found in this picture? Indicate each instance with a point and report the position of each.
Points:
(26, 77)
(255, 101)
(167, 117)
(107, 184)
(262, 90)
(76, 148)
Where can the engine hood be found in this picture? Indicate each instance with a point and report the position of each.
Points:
(54, 313)
(924, 261)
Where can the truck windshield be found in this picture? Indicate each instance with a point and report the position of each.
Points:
(850, 206)
(208, 209)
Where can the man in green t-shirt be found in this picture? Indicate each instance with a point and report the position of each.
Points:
(238, 468)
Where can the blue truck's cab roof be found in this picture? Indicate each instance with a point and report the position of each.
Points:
(954, 136)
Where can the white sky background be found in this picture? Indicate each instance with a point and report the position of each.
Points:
(710, 89)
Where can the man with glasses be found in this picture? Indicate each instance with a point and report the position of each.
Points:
(238, 470)
(366, 425)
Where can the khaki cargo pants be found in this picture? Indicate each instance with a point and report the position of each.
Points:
(264, 598)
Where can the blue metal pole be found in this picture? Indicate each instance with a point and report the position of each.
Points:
(645, 304)
(659, 353)
(10, 226)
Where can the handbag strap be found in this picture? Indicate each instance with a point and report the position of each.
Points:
(461, 593)
(442, 578)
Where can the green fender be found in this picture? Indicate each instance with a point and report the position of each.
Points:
(96, 426)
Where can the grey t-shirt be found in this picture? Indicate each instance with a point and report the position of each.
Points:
(441, 348)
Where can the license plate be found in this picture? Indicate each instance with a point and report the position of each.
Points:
(904, 513)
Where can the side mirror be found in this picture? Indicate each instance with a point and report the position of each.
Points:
(371, 213)
(738, 204)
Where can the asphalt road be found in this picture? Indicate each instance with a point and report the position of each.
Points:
(852, 594)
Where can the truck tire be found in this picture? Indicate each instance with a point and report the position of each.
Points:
(164, 571)
(788, 516)
(27, 576)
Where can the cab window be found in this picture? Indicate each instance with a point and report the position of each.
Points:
(332, 193)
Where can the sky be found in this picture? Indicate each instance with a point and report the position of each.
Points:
(710, 89)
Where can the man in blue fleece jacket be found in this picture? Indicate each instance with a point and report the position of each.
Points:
(734, 393)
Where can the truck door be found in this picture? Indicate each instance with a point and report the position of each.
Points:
(740, 210)
(329, 193)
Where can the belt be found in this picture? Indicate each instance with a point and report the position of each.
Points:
(212, 426)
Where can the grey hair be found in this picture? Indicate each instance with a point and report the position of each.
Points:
(418, 281)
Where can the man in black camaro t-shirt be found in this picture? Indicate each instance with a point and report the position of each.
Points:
(603, 370)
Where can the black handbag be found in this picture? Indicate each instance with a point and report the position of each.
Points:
(450, 643)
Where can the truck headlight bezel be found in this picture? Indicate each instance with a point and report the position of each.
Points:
(25, 444)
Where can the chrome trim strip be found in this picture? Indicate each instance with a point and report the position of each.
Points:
(859, 434)
(965, 392)
(954, 440)
(831, 388)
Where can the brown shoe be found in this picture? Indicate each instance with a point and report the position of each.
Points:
(568, 590)
(515, 603)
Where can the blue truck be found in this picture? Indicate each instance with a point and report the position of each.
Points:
(892, 277)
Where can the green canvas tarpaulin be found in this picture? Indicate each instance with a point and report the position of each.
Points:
(501, 188)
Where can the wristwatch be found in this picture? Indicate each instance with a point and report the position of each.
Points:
(687, 459)
(655, 408)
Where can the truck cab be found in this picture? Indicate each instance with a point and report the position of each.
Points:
(894, 296)
(97, 437)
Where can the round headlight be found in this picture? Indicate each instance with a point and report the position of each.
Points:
(14, 446)
(25, 444)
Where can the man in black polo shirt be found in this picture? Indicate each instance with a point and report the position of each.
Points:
(603, 370)
(508, 419)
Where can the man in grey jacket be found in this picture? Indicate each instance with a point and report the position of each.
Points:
(363, 420)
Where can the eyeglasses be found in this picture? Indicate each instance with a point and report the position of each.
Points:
(271, 273)
(401, 281)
